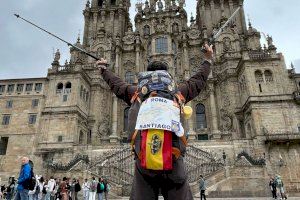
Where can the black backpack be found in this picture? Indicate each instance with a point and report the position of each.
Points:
(30, 183)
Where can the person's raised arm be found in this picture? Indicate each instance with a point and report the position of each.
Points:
(120, 88)
(192, 87)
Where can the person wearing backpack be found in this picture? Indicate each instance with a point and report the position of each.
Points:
(93, 189)
(154, 119)
(24, 177)
(279, 184)
(100, 189)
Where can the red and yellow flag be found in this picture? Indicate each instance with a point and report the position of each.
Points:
(156, 149)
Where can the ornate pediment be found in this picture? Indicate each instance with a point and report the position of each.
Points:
(194, 33)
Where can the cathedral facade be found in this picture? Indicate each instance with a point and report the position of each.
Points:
(251, 101)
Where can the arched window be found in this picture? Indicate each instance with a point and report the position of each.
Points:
(146, 30)
(161, 45)
(126, 118)
(268, 76)
(129, 77)
(68, 85)
(81, 137)
(200, 117)
(59, 88)
(259, 76)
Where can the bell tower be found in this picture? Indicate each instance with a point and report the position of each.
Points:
(104, 19)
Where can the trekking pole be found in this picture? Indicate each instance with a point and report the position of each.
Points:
(215, 36)
(53, 35)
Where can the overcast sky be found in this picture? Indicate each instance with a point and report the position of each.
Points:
(27, 52)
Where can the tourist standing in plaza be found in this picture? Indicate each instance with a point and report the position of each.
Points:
(24, 177)
(63, 189)
(10, 188)
(202, 186)
(50, 188)
(160, 167)
(272, 185)
(93, 189)
(100, 189)
(85, 189)
(279, 184)
(106, 188)
(77, 188)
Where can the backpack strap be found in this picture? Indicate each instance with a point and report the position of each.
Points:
(184, 140)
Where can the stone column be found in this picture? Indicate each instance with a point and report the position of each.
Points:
(137, 54)
(214, 117)
(113, 138)
(186, 70)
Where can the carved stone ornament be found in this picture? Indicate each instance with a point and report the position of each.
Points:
(160, 25)
(129, 65)
(226, 120)
(129, 37)
(194, 33)
(103, 129)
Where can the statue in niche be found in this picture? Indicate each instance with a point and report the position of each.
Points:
(100, 52)
(146, 30)
(227, 46)
(175, 28)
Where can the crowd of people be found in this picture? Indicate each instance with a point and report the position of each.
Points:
(62, 189)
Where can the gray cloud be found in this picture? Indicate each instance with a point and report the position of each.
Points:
(27, 52)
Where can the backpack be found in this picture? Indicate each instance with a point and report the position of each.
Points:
(31, 182)
(279, 182)
(37, 189)
(101, 186)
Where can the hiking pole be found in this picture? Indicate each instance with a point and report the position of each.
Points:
(68, 43)
(215, 36)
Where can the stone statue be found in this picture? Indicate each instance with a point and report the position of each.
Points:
(57, 56)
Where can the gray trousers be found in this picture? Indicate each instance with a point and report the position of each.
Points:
(172, 185)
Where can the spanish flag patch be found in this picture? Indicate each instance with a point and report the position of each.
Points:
(156, 149)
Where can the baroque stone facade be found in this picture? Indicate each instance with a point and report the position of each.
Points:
(250, 103)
